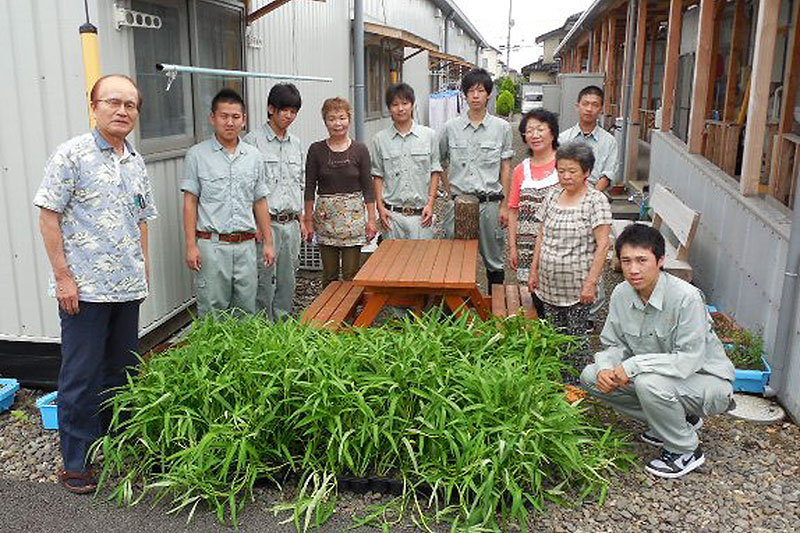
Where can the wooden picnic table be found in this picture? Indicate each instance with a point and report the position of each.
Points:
(408, 272)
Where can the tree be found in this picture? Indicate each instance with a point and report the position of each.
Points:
(505, 103)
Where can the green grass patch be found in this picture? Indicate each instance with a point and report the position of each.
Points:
(473, 412)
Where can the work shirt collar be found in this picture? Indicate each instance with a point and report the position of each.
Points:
(465, 121)
(579, 132)
(414, 130)
(217, 146)
(271, 135)
(104, 145)
(656, 299)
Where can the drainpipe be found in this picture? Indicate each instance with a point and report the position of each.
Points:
(358, 52)
(630, 48)
(787, 315)
(447, 43)
(91, 59)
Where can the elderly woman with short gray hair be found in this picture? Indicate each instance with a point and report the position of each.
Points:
(572, 243)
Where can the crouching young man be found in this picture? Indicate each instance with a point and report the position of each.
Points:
(661, 363)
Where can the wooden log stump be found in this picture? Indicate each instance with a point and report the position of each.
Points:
(467, 217)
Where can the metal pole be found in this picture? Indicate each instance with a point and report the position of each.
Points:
(178, 69)
(358, 52)
(508, 38)
(787, 315)
(630, 46)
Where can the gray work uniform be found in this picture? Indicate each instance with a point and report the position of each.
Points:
(474, 155)
(676, 363)
(405, 162)
(284, 164)
(226, 185)
(604, 147)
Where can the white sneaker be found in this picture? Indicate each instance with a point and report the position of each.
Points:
(673, 465)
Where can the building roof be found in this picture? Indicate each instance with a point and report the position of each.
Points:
(449, 8)
(587, 17)
(562, 30)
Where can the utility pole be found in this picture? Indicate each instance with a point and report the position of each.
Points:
(508, 39)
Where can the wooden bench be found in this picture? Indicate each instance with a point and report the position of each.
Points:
(510, 300)
(335, 305)
(681, 221)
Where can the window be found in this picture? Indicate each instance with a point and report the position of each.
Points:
(383, 69)
(176, 118)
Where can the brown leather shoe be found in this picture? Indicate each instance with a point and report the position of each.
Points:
(68, 481)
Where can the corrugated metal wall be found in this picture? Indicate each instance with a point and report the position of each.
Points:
(416, 16)
(40, 58)
(302, 38)
(42, 91)
(739, 251)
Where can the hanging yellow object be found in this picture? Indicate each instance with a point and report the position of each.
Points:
(91, 63)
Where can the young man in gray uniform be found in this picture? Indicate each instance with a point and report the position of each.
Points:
(603, 144)
(224, 200)
(284, 163)
(662, 363)
(405, 168)
(478, 147)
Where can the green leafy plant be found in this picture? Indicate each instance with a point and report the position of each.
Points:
(20, 415)
(745, 350)
(505, 103)
(470, 413)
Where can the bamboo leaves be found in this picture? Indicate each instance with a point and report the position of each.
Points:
(470, 412)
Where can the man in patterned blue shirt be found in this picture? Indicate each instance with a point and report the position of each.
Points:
(95, 201)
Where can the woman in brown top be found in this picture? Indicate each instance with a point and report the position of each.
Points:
(338, 174)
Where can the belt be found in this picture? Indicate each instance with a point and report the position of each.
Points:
(405, 210)
(226, 237)
(483, 197)
(283, 218)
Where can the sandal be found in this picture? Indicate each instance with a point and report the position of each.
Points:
(88, 487)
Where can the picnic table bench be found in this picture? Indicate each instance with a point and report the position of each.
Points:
(511, 300)
(336, 304)
(409, 272)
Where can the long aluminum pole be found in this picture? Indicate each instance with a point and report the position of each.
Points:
(358, 78)
(787, 314)
(508, 38)
(181, 69)
(630, 47)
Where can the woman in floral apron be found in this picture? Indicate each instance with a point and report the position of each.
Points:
(338, 189)
(531, 182)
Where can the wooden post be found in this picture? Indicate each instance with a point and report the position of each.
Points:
(671, 63)
(651, 70)
(636, 92)
(738, 38)
(638, 68)
(718, 9)
(766, 31)
(596, 45)
(603, 59)
(630, 47)
(467, 217)
(610, 67)
(702, 70)
(780, 180)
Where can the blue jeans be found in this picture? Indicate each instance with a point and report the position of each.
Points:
(97, 350)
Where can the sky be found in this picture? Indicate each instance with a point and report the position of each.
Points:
(531, 18)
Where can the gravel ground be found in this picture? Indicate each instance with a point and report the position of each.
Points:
(750, 483)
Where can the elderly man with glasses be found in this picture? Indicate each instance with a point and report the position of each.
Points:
(95, 201)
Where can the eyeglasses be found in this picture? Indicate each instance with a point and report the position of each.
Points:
(116, 103)
(541, 130)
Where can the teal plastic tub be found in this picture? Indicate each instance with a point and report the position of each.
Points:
(49, 410)
(8, 391)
